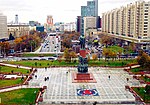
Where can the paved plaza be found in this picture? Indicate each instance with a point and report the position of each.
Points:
(61, 89)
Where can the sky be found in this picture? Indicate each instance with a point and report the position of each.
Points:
(61, 10)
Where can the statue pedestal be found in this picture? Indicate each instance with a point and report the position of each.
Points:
(83, 78)
(83, 53)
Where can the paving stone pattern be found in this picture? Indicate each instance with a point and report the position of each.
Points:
(61, 89)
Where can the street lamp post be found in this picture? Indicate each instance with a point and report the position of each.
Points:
(0, 50)
(144, 94)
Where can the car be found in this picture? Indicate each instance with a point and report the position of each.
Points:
(24, 59)
(42, 59)
(50, 58)
(29, 59)
(10, 56)
(35, 59)
(1, 56)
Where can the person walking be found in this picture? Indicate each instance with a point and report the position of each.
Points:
(109, 77)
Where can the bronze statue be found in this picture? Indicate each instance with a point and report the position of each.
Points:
(82, 41)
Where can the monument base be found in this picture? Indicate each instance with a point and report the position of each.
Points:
(83, 78)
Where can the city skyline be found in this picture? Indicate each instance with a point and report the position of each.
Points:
(62, 11)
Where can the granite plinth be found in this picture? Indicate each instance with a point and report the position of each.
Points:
(83, 78)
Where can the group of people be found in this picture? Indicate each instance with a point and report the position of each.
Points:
(46, 78)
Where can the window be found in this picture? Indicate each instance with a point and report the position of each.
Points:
(145, 25)
(145, 22)
(146, 7)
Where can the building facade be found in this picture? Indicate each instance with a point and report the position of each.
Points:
(18, 30)
(131, 23)
(91, 10)
(89, 23)
(70, 26)
(3, 27)
(50, 23)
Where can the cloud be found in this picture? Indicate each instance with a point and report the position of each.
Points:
(62, 10)
(14, 5)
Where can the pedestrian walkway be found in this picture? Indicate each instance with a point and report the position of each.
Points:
(17, 87)
(61, 89)
(11, 65)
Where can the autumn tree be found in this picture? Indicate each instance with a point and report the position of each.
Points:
(132, 47)
(67, 55)
(112, 55)
(94, 57)
(88, 58)
(67, 38)
(73, 55)
(106, 40)
(105, 53)
(5, 47)
(119, 53)
(18, 43)
(144, 61)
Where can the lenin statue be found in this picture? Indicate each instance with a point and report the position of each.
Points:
(82, 41)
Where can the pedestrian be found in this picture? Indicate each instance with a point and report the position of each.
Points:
(22, 78)
(35, 76)
(127, 79)
(45, 68)
(45, 78)
(12, 71)
(109, 77)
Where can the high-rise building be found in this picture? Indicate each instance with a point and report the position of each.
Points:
(91, 10)
(50, 24)
(50, 20)
(16, 19)
(3, 26)
(78, 23)
(131, 23)
(89, 23)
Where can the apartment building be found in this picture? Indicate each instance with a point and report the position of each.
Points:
(3, 26)
(130, 23)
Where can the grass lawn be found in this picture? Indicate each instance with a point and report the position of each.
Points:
(36, 55)
(115, 48)
(146, 79)
(135, 70)
(140, 92)
(4, 83)
(46, 63)
(19, 97)
(111, 63)
(42, 63)
(6, 69)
